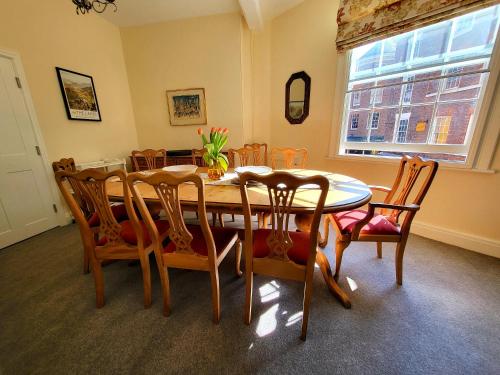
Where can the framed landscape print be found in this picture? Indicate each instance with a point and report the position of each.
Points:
(187, 107)
(79, 96)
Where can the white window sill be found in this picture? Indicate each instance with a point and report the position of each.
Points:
(391, 160)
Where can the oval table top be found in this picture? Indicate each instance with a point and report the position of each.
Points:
(345, 193)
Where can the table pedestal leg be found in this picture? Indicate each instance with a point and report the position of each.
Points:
(335, 289)
(303, 223)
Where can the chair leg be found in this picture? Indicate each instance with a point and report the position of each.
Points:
(379, 250)
(326, 229)
(214, 218)
(248, 296)
(99, 283)
(308, 287)
(165, 287)
(214, 278)
(400, 249)
(238, 258)
(232, 218)
(221, 219)
(86, 261)
(340, 246)
(265, 220)
(146, 279)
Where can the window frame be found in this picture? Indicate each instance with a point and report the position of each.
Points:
(480, 133)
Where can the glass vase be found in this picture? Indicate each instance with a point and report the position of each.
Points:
(215, 171)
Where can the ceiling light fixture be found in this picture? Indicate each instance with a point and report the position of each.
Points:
(99, 6)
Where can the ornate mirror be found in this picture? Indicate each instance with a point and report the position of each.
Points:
(298, 88)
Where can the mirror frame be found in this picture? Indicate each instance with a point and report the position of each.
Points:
(304, 76)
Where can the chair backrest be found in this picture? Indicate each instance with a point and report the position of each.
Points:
(92, 184)
(68, 165)
(167, 189)
(259, 152)
(245, 156)
(197, 157)
(281, 188)
(150, 157)
(288, 157)
(414, 179)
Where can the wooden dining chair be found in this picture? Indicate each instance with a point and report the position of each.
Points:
(127, 240)
(197, 157)
(279, 252)
(288, 158)
(85, 203)
(153, 158)
(245, 157)
(195, 247)
(413, 179)
(259, 152)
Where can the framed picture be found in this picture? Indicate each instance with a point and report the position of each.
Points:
(79, 96)
(187, 107)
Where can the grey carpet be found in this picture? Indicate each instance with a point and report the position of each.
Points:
(445, 318)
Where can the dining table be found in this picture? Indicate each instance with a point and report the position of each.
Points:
(223, 196)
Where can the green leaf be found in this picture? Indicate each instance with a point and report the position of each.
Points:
(222, 162)
(204, 139)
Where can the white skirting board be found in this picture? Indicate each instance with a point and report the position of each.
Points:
(465, 240)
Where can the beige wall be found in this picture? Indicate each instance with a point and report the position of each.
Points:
(50, 34)
(199, 52)
(304, 39)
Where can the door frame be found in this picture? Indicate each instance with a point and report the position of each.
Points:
(62, 217)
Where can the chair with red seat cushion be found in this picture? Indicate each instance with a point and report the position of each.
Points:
(111, 240)
(195, 247)
(119, 212)
(414, 178)
(277, 251)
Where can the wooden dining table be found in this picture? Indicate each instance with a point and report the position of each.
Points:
(345, 193)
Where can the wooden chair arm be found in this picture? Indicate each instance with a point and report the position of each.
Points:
(408, 207)
(380, 188)
(371, 211)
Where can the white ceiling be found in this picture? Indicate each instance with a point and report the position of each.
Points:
(140, 12)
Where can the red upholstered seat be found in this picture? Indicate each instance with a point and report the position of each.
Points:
(129, 236)
(119, 212)
(298, 253)
(222, 236)
(377, 225)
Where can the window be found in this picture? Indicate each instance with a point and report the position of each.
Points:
(425, 89)
(374, 119)
(402, 128)
(453, 81)
(354, 120)
(356, 98)
(441, 129)
(376, 96)
(408, 91)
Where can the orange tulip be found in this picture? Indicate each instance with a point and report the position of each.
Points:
(226, 130)
(212, 130)
(200, 131)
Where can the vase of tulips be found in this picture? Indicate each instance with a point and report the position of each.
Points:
(217, 162)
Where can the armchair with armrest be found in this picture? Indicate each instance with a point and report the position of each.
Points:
(384, 226)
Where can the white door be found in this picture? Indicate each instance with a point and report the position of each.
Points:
(26, 203)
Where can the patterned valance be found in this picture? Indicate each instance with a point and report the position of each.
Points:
(365, 21)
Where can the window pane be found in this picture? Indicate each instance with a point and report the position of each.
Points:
(432, 41)
(385, 130)
(452, 122)
(475, 30)
(358, 132)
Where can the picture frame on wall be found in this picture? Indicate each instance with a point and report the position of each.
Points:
(187, 107)
(78, 92)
